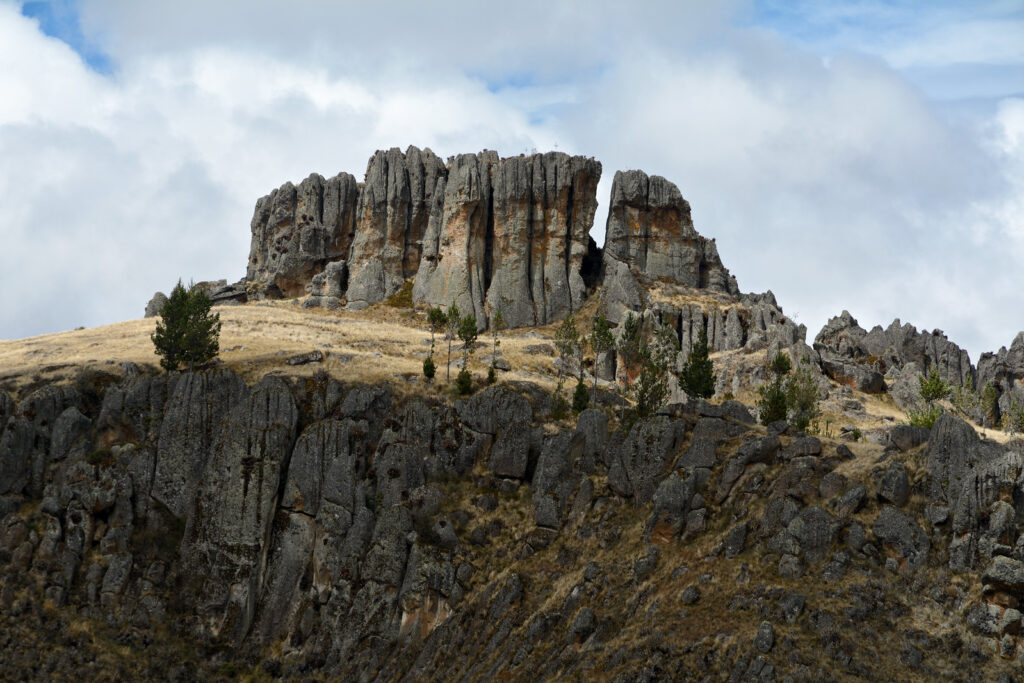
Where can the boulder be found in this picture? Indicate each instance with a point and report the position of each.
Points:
(899, 530)
(637, 463)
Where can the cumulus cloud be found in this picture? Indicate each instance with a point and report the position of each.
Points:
(830, 178)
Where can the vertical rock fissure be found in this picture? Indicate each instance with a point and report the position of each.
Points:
(567, 250)
(489, 237)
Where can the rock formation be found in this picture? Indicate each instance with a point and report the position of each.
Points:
(296, 528)
(483, 232)
(1005, 370)
(296, 230)
(650, 237)
(851, 355)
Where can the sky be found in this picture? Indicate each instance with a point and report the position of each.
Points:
(866, 156)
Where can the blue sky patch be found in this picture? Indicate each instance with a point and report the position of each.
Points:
(59, 19)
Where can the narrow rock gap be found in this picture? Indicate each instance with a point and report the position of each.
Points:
(489, 238)
(567, 250)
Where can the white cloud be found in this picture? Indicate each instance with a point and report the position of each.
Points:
(833, 181)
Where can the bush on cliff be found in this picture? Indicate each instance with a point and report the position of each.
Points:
(187, 333)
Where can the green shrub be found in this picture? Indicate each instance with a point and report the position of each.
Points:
(771, 407)
(491, 377)
(780, 365)
(464, 382)
(428, 367)
(802, 398)
(990, 403)
(925, 417)
(402, 298)
(932, 387)
(580, 398)
(559, 406)
(1013, 421)
(698, 375)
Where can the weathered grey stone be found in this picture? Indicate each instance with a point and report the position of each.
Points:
(671, 502)
(554, 479)
(296, 230)
(637, 463)
(70, 435)
(765, 638)
(905, 437)
(814, 529)
(650, 230)
(901, 531)
(155, 305)
(1005, 573)
(227, 527)
(592, 425)
(646, 563)
(894, 485)
(851, 501)
(195, 414)
(701, 453)
(853, 374)
(736, 541)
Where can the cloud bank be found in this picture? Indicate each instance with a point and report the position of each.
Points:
(835, 169)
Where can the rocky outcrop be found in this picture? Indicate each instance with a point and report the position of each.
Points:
(650, 231)
(482, 232)
(394, 209)
(852, 355)
(357, 532)
(1005, 370)
(296, 230)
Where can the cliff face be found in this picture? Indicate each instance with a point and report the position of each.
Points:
(479, 231)
(650, 230)
(482, 232)
(296, 230)
(304, 527)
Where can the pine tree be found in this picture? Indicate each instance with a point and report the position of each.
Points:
(187, 333)
(698, 375)
(467, 333)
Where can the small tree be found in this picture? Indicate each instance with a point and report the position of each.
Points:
(629, 347)
(802, 397)
(990, 404)
(932, 388)
(497, 325)
(772, 406)
(698, 375)
(651, 384)
(187, 332)
(601, 341)
(468, 334)
(451, 331)
(436, 319)
(580, 398)
(567, 341)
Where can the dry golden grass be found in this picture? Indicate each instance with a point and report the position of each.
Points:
(380, 343)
